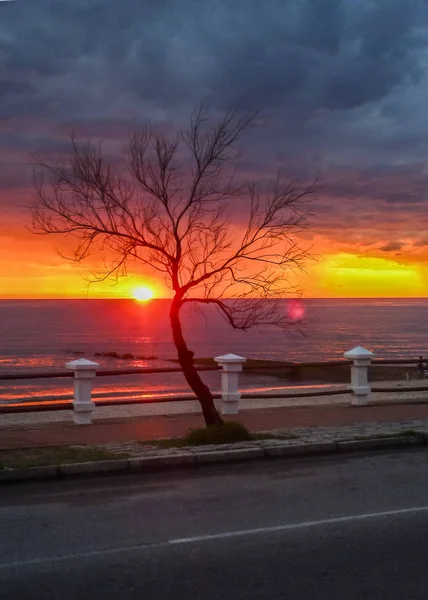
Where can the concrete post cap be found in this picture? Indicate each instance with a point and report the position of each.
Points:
(82, 364)
(357, 353)
(230, 358)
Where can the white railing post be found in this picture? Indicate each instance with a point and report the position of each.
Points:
(85, 372)
(362, 359)
(232, 366)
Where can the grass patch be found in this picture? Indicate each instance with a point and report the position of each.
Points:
(55, 455)
(398, 434)
(227, 433)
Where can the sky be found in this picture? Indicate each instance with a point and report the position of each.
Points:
(343, 86)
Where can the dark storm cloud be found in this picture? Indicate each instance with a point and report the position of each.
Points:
(343, 83)
(333, 54)
(387, 183)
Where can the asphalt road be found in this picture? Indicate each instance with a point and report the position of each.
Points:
(346, 528)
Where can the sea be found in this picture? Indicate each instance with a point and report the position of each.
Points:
(43, 335)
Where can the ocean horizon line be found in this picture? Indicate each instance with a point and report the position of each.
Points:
(130, 298)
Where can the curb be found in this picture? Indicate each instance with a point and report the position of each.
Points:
(196, 457)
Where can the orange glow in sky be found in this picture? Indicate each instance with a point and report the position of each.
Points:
(35, 270)
(346, 275)
(32, 268)
(349, 114)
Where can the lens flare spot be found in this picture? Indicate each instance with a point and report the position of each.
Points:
(296, 310)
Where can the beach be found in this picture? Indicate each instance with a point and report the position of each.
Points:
(401, 392)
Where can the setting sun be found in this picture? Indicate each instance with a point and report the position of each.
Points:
(142, 294)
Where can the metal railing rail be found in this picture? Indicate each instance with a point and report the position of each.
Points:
(376, 390)
(336, 363)
(54, 405)
(144, 370)
(100, 373)
(19, 407)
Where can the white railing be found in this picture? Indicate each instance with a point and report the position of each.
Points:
(84, 373)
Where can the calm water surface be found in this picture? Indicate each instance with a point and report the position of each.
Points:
(45, 334)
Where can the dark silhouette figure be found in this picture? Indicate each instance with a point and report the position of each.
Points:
(422, 367)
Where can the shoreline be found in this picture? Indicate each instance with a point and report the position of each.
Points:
(261, 377)
(408, 393)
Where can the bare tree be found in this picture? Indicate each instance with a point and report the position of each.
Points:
(169, 205)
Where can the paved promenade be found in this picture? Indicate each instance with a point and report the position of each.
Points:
(306, 421)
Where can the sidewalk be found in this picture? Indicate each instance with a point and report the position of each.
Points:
(168, 426)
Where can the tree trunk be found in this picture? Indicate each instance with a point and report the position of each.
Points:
(185, 358)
